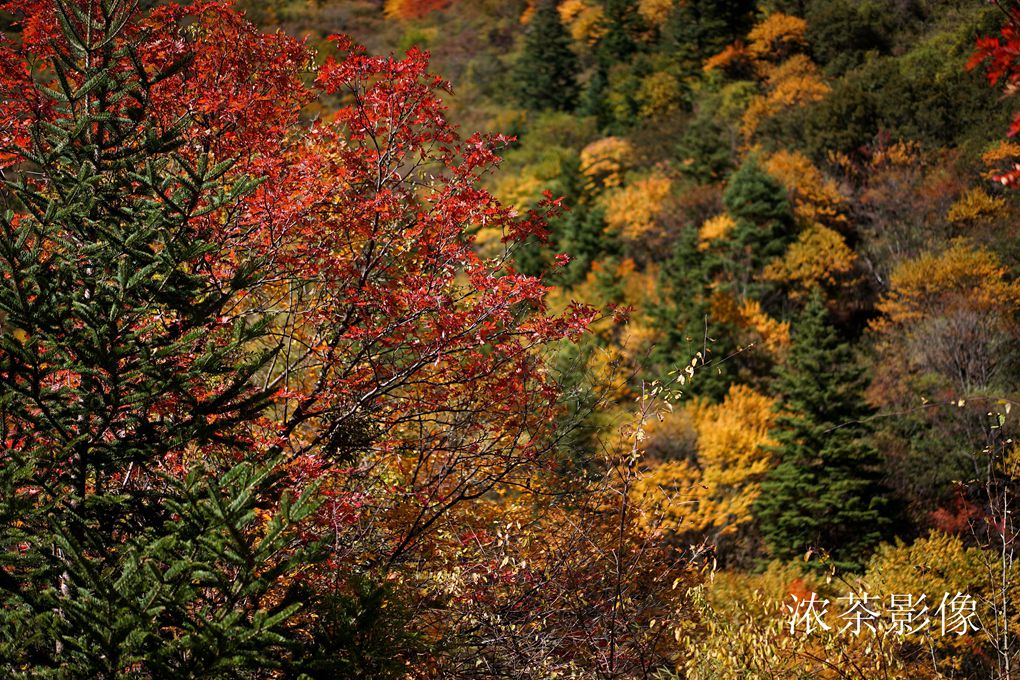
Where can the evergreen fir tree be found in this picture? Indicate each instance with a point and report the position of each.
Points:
(825, 493)
(704, 151)
(546, 72)
(582, 233)
(699, 29)
(137, 530)
(690, 329)
(764, 227)
(621, 23)
(593, 101)
(581, 230)
(687, 277)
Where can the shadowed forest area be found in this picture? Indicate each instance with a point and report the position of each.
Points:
(524, 339)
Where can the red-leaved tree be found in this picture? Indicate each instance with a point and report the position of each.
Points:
(1000, 54)
(304, 299)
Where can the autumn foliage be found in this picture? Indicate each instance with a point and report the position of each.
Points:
(358, 345)
(414, 9)
(299, 380)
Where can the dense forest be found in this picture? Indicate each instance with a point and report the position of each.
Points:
(509, 339)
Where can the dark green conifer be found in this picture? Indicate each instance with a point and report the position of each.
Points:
(825, 492)
(545, 74)
(621, 23)
(703, 150)
(764, 227)
(698, 29)
(593, 101)
(139, 534)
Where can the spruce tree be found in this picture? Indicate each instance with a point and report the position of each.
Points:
(545, 74)
(593, 101)
(140, 535)
(699, 29)
(703, 150)
(764, 226)
(685, 314)
(825, 492)
(581, 233)
(621, 23)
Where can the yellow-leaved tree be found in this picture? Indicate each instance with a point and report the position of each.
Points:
(816, 198)
(605, 160)
(712, 494)
(632, 210)
(976, 206)
(794, 83)
(583, 18)
(939, 566)
(962, 274)
(714, 229)
(953, 314)
(774, 53)
(656, 12)
(753, 324)
(777, 36)
(820, 255)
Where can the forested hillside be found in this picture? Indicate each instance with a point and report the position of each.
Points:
(715, 320)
